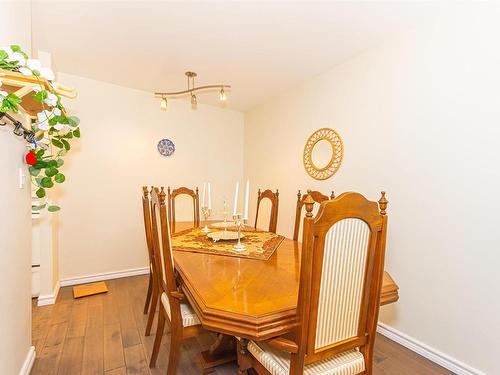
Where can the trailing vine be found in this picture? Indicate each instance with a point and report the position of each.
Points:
(53, 128)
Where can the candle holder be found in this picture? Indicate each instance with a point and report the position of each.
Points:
(240, 222)
(205, 211)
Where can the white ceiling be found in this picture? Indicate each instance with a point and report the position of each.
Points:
(260, 48)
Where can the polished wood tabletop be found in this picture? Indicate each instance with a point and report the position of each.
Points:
(255, 299)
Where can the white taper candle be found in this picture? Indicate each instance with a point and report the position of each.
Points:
(209, 196)
(247, 192)
(203, 196)
(235, 203)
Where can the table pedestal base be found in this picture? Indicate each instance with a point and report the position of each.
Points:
(222, 351)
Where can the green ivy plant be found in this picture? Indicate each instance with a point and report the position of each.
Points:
(54, 129)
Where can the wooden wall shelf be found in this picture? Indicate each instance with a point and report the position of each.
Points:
(22, 86)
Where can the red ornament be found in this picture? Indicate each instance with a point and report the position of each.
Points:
(31, 158)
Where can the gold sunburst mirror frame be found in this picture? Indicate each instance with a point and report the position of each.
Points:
(337, 154)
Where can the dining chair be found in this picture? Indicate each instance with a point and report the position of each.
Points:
(274, 198)
(317, 197)
(152, 293)
(183, 320)
(171, 204)
(341, 276)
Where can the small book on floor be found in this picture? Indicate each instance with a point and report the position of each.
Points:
(85, 290)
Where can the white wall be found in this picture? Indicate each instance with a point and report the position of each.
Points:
(15, 218)
(420, 118)
(101, 224)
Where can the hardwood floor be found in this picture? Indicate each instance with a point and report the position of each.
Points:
(104, 334)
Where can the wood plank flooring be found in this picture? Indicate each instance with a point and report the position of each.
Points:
(104, 335)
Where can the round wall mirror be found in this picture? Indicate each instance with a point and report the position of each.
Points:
(323, 154)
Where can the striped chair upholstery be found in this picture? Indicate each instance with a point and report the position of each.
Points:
(277, 362)
(342, 279)
(189, 317)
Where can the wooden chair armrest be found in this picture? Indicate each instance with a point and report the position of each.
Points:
(284, 344)
(179, 295)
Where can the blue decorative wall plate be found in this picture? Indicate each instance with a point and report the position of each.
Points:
(166, 147)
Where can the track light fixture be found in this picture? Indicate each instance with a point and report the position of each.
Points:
(191, 89)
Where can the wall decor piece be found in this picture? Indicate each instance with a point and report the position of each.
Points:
(29, 88)
(166, 147)
(323, 153)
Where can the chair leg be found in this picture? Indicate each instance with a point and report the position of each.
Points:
(148, 295)
(175, 349)
(152, 311)
(158, 337)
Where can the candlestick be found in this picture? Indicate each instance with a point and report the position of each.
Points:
(206, 213)
(240, 222)
(235, 203)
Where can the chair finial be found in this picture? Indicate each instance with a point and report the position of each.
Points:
(382, 202)
(162, 195)
(152, 189)
(145, 192)
(258, 193)
(309, 203)
(332, 195)
(277, 193)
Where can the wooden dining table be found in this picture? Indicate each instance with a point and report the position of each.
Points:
(248, 298)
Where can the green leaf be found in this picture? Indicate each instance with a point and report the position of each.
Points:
(60, 178)
(33, 171)
(15, 48)
(39, 181)
(47, 182)
(73, 121)
(35, 72)
(53, 208)
(39, 208)
(60, 162)
(66, 144)
(40, 164)
(68, 135)
(40, 153)
(10, 103)
(40, 193)
(3, 55)
(52, 163)
(76, 133)
(40, 96)
(57, 143)
(51, 172)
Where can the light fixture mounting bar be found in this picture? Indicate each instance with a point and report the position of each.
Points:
(190, 90)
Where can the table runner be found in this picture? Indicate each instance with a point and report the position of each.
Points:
(259, 245)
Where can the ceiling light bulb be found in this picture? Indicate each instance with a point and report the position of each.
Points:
(194, 101)
(163, 104)
(223, 96)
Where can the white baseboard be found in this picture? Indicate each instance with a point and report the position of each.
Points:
(104, 276)
(28, 362)
(444, 360)
(49, 299)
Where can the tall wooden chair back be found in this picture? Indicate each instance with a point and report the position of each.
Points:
(163, 254)
(274, 198)
(341, 279)
(146, 212)
(171, 204)
(152, 293)
(317, 197)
